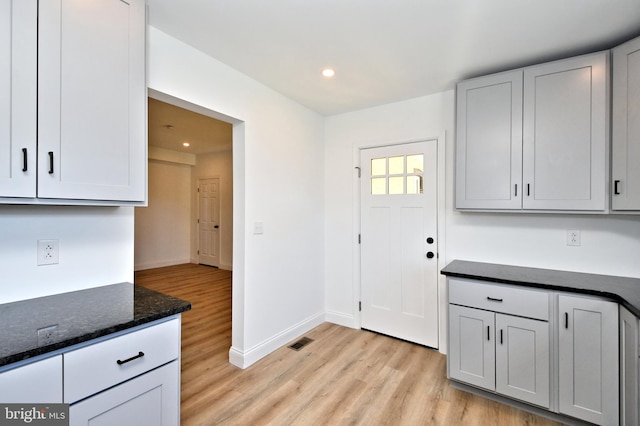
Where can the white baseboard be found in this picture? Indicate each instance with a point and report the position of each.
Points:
(160, 264)
(244, 359)
(341, 319)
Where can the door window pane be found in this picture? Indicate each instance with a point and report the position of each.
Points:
(415, 163)
(378, 167)
(378, 186)
(396, 185)
(396, 165)
(414, 184)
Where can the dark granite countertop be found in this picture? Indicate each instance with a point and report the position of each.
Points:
(623, 290)
(80, 316)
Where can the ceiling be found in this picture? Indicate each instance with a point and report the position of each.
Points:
(388, 50)
(170, 126)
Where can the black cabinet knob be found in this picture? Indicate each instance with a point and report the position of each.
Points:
(430, 255)
(429, 240)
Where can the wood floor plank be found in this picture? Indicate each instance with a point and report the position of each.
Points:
(343, 377)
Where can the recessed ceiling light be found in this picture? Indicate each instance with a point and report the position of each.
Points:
(328, 72)
(185, 144)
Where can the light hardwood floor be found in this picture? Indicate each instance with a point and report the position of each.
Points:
(343, 377)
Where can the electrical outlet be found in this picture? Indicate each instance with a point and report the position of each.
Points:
(47, 335)
(48, 253)
(573, 238)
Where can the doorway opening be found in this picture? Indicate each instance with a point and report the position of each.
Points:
(187, 145)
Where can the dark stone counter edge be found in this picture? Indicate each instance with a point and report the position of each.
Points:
(618, 293)
(22, 356)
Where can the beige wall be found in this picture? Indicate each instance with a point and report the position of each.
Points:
(166, 232)
(211, 165)
(162, 230)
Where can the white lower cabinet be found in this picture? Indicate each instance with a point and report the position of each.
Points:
(629, 363)
(502, 353)
(588, 359)
(522, 359)
(150, 399)
(492, 348)
(132, 378)
(555, 350)
(34, 383)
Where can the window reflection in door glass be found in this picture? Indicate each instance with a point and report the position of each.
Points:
(414, 184)
(396, 165)
(415, 163)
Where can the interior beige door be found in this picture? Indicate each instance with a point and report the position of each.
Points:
(209, 222)
(399, 268)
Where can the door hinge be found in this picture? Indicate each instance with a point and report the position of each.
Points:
(359, 171)
(359, 238)
(359, 306)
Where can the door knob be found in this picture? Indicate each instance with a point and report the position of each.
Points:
(430, 255)
(216, 227)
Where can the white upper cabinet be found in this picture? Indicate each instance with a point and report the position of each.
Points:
(565, 138)
(489, 142)
(18, 84)
(91, 100)
(535, 139)
(626, 127)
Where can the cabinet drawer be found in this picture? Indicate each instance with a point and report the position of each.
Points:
(500, 298)
(93, 368)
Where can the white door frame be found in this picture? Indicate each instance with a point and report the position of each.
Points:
(440, 212)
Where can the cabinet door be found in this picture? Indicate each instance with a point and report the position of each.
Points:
(150, 399)
(565, 160)
(522, 359)
(588, 359)
(92, 100)
(489, 142)
(471, 346)
(38, 382)
(626, 127)
(629, 352)
(18, 84)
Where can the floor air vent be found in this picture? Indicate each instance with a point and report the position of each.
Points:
(301, 343)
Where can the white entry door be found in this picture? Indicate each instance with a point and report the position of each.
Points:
(399, 267)
(209, 221)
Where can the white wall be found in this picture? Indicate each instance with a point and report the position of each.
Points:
(216, 164)
(610, 244)
(278, 282)
(163, 228)
(95, 246)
